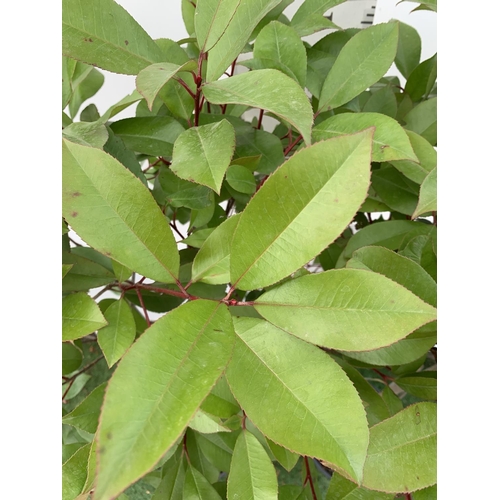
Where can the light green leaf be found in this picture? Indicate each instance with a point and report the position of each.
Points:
(65, 269)
(151, 80)
(211, 20)
(80, 316)
(221, 401)
(157, 388)
(241, 179)
(84, 273)
(92, 134)
(135, 234)
(75, 389)
(427, 201)
(71, 358)
(280, 43)
(400, 269)
(207, 424)
(236, 34)
(153, 135)
(422, 119)
(294, 215)
(285, 457)
(345, 309)
(74, 473)
(218, 448)
(363, 60)
(91, 468)
(424, 4)
(121, 272)
(341, 488)
(86, 415)
(118, 336)
(104, 34)
(252, 475)
(402, 454)
(68, 67)
(203, 154)
(409, 48)
(196, 487)
(120, 106)
(421, 384)
(197, 239)
(86, 82)
(427, 157)
(267, 89)
(422, 79)
(421, 250)
(309, 17)
(211, 264)
(394, 404)
(390, 141)
(330, 425)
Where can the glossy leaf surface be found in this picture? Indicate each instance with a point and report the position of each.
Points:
(364, 59)
(346, 309)
(331, 426)
(80, 316)
(135, 234)
(104, 34)
(267, 89)
(157, 388)
(203, 154)
(294, 215)
(252, 475)
(402, 454)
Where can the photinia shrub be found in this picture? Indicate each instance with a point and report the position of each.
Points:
(249, 263)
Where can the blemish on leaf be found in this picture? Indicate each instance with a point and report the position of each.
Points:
(126, 42)
(109, 435)
(76, 194)
(74, 214)
(336, 200)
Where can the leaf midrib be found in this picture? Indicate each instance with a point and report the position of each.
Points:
(388, 450)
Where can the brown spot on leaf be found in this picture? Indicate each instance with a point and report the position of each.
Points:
(107, 254)
(336, 200)
(392, 301)
(109, 435)
(74, 214)
(126, 42)
(76, 194)
(88, 40)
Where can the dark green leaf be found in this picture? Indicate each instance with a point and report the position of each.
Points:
(421, 384)
(71, 358)
(74, 473)
(341, 488)
(422, 79)
(422, 119)
(196, 487)
(409, 47)
(382, 101)
(264, 144)
(84, 274)
(86, 415)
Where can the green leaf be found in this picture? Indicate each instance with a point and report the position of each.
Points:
(121, 272)
(330, 424)
(397, 268)
(252, 475)
(236, 34)
(80, 316)
(74, 473)
(203, 154)
(197, 239)
(345, 309)
(92, 134)
(421, 250)
(363, 60)
(422, 119)
(84, 273)
(84, 87)
(267, 89)
(104, 34)
(157, 388)
(394, 404)
(424, 4)
(427, 157)
(241, 179)
(395, 190)
(421, 384)
(307, 211)
(404, 447)
(280, 43)
(211, 264)
(425, 494)
(118, 336)
(341, 488)
(309, 17)
(135, 234)
(211, 20)
(422, 79)
(409, 48)
(198, 459)
(68, 68)
(207, 424)
(153, 136)
(71, 358)
(286, 458)
(196, 487)
(86, 415)
(120, 106)
(382, 101)
(264, 144)
(218, 448)
(172, 483)
(427, 201)
(389, 140)
(221, 401)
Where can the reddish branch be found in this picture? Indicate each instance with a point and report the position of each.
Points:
(309, 478)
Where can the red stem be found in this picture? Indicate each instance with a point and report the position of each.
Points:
(261, 115)
(309, 478)
(185, 85)
(291, 146)
(139, 294)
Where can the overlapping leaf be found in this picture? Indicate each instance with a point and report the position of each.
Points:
(427, 201)
(309, 17)
(80, 316)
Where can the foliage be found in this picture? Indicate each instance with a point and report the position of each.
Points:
(269, 316)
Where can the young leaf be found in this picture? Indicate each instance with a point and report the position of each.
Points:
(118, 336)
(156, 390)
(295, 215)
(236, 34)
(422, 119)
(80, 316)
(85, 416)
(341, 488)
(135, 234)
(207, 424)
(345, 309)
(390, 141)
(202, 154)
(364, 59)
(409, 48)
(211, 20)
(267, 89)
(280, 44)
(71, 358)
(252, 475)
(74, 473)
(308, 404)
(309, 17)
(427, 201)
(104, 34)
(151, 80)
(404, 447)
(211, 264)
(196, 486)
